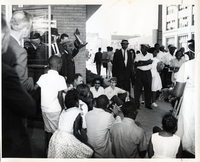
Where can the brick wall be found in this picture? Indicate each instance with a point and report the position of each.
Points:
(70, 17)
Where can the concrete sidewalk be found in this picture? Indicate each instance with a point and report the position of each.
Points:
(147, 118)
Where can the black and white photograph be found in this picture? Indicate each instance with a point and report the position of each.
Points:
(100, 80)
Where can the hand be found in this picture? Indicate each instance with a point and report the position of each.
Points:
(164, 94)
(115, 109)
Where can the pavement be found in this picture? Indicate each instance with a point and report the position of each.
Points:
(146, 117)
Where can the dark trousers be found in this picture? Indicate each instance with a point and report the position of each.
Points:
(98, 67)
(143, 79)
(124, 84)
(166, 78)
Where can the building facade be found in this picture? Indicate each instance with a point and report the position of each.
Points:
(178, 24)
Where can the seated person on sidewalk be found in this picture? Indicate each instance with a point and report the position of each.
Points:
(85, 100)
(98, 123)
(96, 88)
(128, 139)
(52, 85)
(115, 94)
(164, 143)
(70, 140)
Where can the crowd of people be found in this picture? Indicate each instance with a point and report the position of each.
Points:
(97, 120)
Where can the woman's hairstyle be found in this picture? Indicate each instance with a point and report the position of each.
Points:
(71, 98)
(169, 123)
(177, 52)
(83, 90)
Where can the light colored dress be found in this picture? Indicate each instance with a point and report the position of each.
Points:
(165, 147)
(63, 144)
(156, 80)
(186, 117)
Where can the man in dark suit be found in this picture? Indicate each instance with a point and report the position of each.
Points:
(35, 41)
(16, 103)
(70, 51)
(16, 56)
(97, 60)
(122, 65)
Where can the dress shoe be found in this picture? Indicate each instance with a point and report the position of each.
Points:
(149, 107)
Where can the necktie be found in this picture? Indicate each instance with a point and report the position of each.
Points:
(124, 54)
(55, 48)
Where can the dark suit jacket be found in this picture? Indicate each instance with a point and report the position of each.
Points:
(122, 72)
(16, 58)
(68, 64)
(16, 103)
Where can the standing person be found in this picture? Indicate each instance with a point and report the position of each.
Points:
(110, 62)
(185, 88)
(70, 51)
(97, 60)
(99, 123)
(143, 63)
(35, 41)
(166, 71)
(175, 64)
(122, 65)
(16, 104)
(128, 139)
(161, 138)
(156, 80)
(52, 85)
(16, 56)
(191, 52)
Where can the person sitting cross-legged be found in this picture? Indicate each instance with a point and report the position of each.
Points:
(115, 94)
(128, 139)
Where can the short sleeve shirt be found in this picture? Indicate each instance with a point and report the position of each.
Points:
(141, 57)
(109, 92)
(127, 138)
(50, 84)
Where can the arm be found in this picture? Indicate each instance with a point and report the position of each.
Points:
(150, 149)
(22, 71)
(61, 99)
(143, 63)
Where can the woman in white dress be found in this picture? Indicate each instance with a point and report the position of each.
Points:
(164, 143)
(156, 80)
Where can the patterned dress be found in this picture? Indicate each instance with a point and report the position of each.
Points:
(63, 144)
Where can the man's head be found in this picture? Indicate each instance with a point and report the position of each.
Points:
(124, 44)
(5, 34)
(157, 47)
(99, 49)
(64, 38)
(55, 63)
(35, 38)
(172, 49)
(54, 33)
(78, 79)
(144, 48)
(129, 110)
(102, 102)
(113, 82)
(21, 23)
